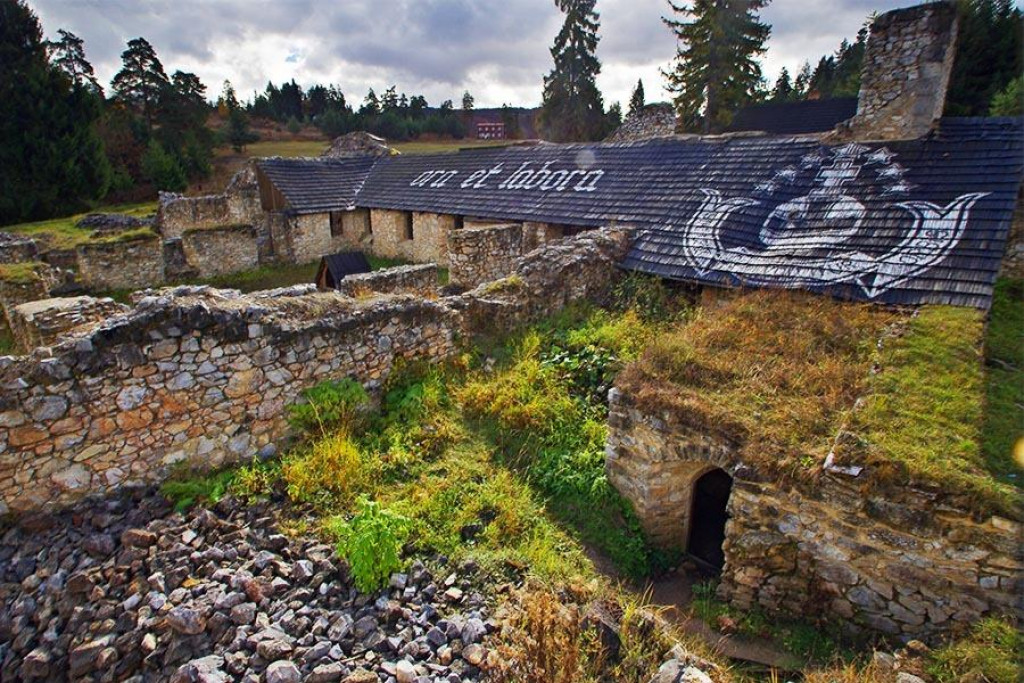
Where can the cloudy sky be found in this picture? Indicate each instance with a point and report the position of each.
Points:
(497, 49)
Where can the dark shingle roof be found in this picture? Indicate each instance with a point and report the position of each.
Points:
(318, 185)
(341, 264)
(898, 222)
(904, 222)
(794, 118)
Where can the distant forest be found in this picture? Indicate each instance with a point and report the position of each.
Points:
(68, 143)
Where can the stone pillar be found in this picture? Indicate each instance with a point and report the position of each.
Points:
(906, 71)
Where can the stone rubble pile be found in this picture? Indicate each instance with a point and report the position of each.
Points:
(128, 590)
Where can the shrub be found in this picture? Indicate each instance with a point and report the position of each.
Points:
(332, 469)
(162, 169)
(293, 126)
(328, 406)
(371, 542)
(648, 295)
(255, 479)
(185, 489)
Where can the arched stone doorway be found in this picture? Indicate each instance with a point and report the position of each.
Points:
(708, 516)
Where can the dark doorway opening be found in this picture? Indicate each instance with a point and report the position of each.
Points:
(707, 522)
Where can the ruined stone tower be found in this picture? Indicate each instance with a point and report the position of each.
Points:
(906, 72)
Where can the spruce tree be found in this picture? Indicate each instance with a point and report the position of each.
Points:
(51, 158)
(572, 108)
(783, 89)
(990, 54)
(636, 101)
(141, 80)
(715, 70)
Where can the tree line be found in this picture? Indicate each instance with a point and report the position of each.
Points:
(717, 70)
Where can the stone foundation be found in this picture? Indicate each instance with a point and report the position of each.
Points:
(17, 249)
(45, 322)
(203, 375)
(14, 293)
(129, 264)
(483, 254)
(221, 251)
(420, 280)
(896, 561)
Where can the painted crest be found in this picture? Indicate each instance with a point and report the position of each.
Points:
(817, 238)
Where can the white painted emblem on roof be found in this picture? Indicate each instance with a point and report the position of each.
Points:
(813, 239)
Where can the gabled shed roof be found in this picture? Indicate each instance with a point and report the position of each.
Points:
(316, 185)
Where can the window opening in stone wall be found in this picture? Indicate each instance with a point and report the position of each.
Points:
(408, 226)
(707, 521)
(460, 222)
(337, 226)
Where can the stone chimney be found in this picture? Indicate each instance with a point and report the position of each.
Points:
(905, 74)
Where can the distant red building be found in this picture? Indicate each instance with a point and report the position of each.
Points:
(490, 130)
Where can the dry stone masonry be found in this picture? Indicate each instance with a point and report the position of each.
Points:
(897, 561)
(420, 280)
(121, 264)
(43, 323)
(653, 121)
(906, 71)
(482, 254)
(203, 376)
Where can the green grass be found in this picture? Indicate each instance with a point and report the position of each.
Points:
(61, 233)
(7, 345)
(20, 273)
(922, 419)
(1003, 425)
(992, 652)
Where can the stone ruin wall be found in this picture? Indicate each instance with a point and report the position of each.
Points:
(907, 65)
(429, 243)
(132, 264)
(44, 322)
(203, 376)
(653, 121)
(221, 251)
(201, 379)
(238, 204)
(420, 280)
(483, 254)
(898, 562)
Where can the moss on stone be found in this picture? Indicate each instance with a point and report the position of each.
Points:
(21, 273)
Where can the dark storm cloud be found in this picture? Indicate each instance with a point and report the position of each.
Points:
(496, 48)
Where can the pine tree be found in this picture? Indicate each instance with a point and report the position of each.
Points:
(572, 107)
(636, 100)
(141, 80)
(715, 70)
(783, 89)
(468, 101)
(68, 55)
(371, 105)
(51, 157)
